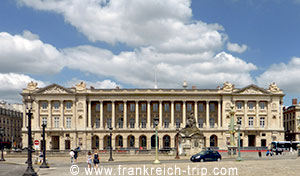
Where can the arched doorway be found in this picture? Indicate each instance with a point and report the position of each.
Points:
(130, 141)
(166, 142)
(95, 142)
(143, 142)
(213, 141)
(153, 141)
(106, 142)
(119, 141)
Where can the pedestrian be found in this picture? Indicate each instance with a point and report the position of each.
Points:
(259, 153)
(96, 159)
(268, 153)
(89, 159)
(75, 155)
(72, 156)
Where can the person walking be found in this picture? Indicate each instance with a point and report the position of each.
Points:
(75, 155)
(96, 159)
(72, 156)
(89, 159)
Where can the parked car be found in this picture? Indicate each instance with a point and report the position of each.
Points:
(208, 155)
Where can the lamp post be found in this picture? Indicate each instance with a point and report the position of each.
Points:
(239, 140)
(156, 161)
(110, 146)
(1, 134)
(231, 147)
(29, 171)
(177, 144)
(44, 164)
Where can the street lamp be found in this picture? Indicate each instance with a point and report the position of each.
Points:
(110, 146)
(231, 147)
(29, 171)
(156, 121)
(177, 144)
(44, 164)
(239, 122)
(1, 134)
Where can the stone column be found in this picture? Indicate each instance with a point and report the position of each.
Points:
(148, 115)
(37, 109)
(160, 114)
(113, 114)
(24, 116)
(219, 113)
(125, 114)
(89, 114)
(50, 114)
(244, 123)
(256, 115)
(196, 112)
(137, 123)
(183, 113)
(172, 114)
(62, 117)
(74, 118)
(207, 114)
(101, 115)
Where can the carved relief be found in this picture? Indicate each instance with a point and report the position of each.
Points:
(227, 87)
(54, 89)
(274, 88)
(80, 105)
(274, 106)
(251, 90)
(81, 86)
(32, 86)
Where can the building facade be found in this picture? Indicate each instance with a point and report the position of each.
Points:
(11, 123)
(81, 116)
(291, 121)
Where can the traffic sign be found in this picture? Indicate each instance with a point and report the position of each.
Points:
(36, 142)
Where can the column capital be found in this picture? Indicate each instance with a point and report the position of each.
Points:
(160, 101)
(61, 100)
(136, 101)
(184, 101)
(49, 101)
(100, 101)
(207, 101)
(195, 101)
(124, 101)
(172, 101)
(112, 101)
(148, 101)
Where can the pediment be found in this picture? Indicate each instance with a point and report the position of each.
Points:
(54, 89)
(252, 89)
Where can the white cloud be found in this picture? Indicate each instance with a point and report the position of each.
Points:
(166, 25)
(234, 47)
(286, 76)
(105, 84)
(28, 54)
(12, 85)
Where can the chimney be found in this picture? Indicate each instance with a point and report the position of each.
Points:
(294, 101)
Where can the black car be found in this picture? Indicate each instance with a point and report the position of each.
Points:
(208, 155)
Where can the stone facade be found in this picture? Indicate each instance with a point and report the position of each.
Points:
(11, 123)
(291, 121)
(80, 116)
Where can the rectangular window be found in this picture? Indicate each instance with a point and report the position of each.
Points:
(189, 107)
(121, 107)
(56, 122)
(239, 119)
(201, 107)
(109, 123)
(69, 105)
(98, 107)
(166, 123)
(109, 107)
(155, 107)
(178, 122)
(44, 120)
(262, 105)
(131, 123)
(211, 122)
(120, 122)
(144, 107)
(69, 121)
(239, 105)
(97, 122)
(167, 107)
(211, 107)
(178, 107)
(262, 122)
(132, 107)
(250, 121)
(56, 105)
(44, 105)
(200, 122)
(144, 123)
(250, 105)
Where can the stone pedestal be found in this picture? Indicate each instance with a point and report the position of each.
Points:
(232, 150)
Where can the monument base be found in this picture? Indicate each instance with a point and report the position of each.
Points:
(232, 150)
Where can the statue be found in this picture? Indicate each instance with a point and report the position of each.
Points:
(190, 121)
(227, 87)
(32, 85)
(81, 86)
(273, 87)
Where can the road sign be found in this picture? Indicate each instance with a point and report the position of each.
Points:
(36, 142)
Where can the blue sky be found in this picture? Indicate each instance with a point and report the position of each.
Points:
(110, 43)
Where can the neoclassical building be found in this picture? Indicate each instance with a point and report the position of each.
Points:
(291, 121)
(81, 116)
